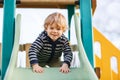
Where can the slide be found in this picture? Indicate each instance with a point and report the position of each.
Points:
(84, 72)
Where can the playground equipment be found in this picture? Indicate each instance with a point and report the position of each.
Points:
(9, 30)
(102, 63)
(85, 72)
(107, 51)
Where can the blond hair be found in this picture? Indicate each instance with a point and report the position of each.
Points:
(56, 18)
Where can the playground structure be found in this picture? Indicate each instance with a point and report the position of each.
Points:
(25, 74)
(10, 30)
(103, 62)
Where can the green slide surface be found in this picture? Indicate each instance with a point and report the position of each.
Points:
(84, 72)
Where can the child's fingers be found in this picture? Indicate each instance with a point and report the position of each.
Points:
(64, 70)
(40, 70)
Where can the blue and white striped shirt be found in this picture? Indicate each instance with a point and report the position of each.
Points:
(43, 49)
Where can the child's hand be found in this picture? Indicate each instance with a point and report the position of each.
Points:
(64, 68)
(37, 68)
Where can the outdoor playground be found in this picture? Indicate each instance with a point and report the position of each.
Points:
(92, 67)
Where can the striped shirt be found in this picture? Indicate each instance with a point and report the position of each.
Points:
(43, 49)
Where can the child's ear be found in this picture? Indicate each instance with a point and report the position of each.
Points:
(45, 29)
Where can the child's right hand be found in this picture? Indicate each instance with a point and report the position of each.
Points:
(37, 68)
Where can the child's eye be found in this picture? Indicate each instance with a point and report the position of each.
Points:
(58, 29)
(51, 28)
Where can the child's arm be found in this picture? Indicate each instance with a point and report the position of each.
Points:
(37, 68)
(67, 57)
(33, 51)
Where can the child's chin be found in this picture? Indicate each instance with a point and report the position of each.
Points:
(54, 39)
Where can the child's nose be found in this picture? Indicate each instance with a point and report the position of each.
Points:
(55, 31)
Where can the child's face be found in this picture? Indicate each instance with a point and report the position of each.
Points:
(54, 32)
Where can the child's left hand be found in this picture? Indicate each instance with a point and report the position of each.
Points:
(64, 68)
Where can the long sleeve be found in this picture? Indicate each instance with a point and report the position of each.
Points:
(67, 53)
(35, 48)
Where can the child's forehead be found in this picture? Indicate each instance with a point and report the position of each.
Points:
(55, 25)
